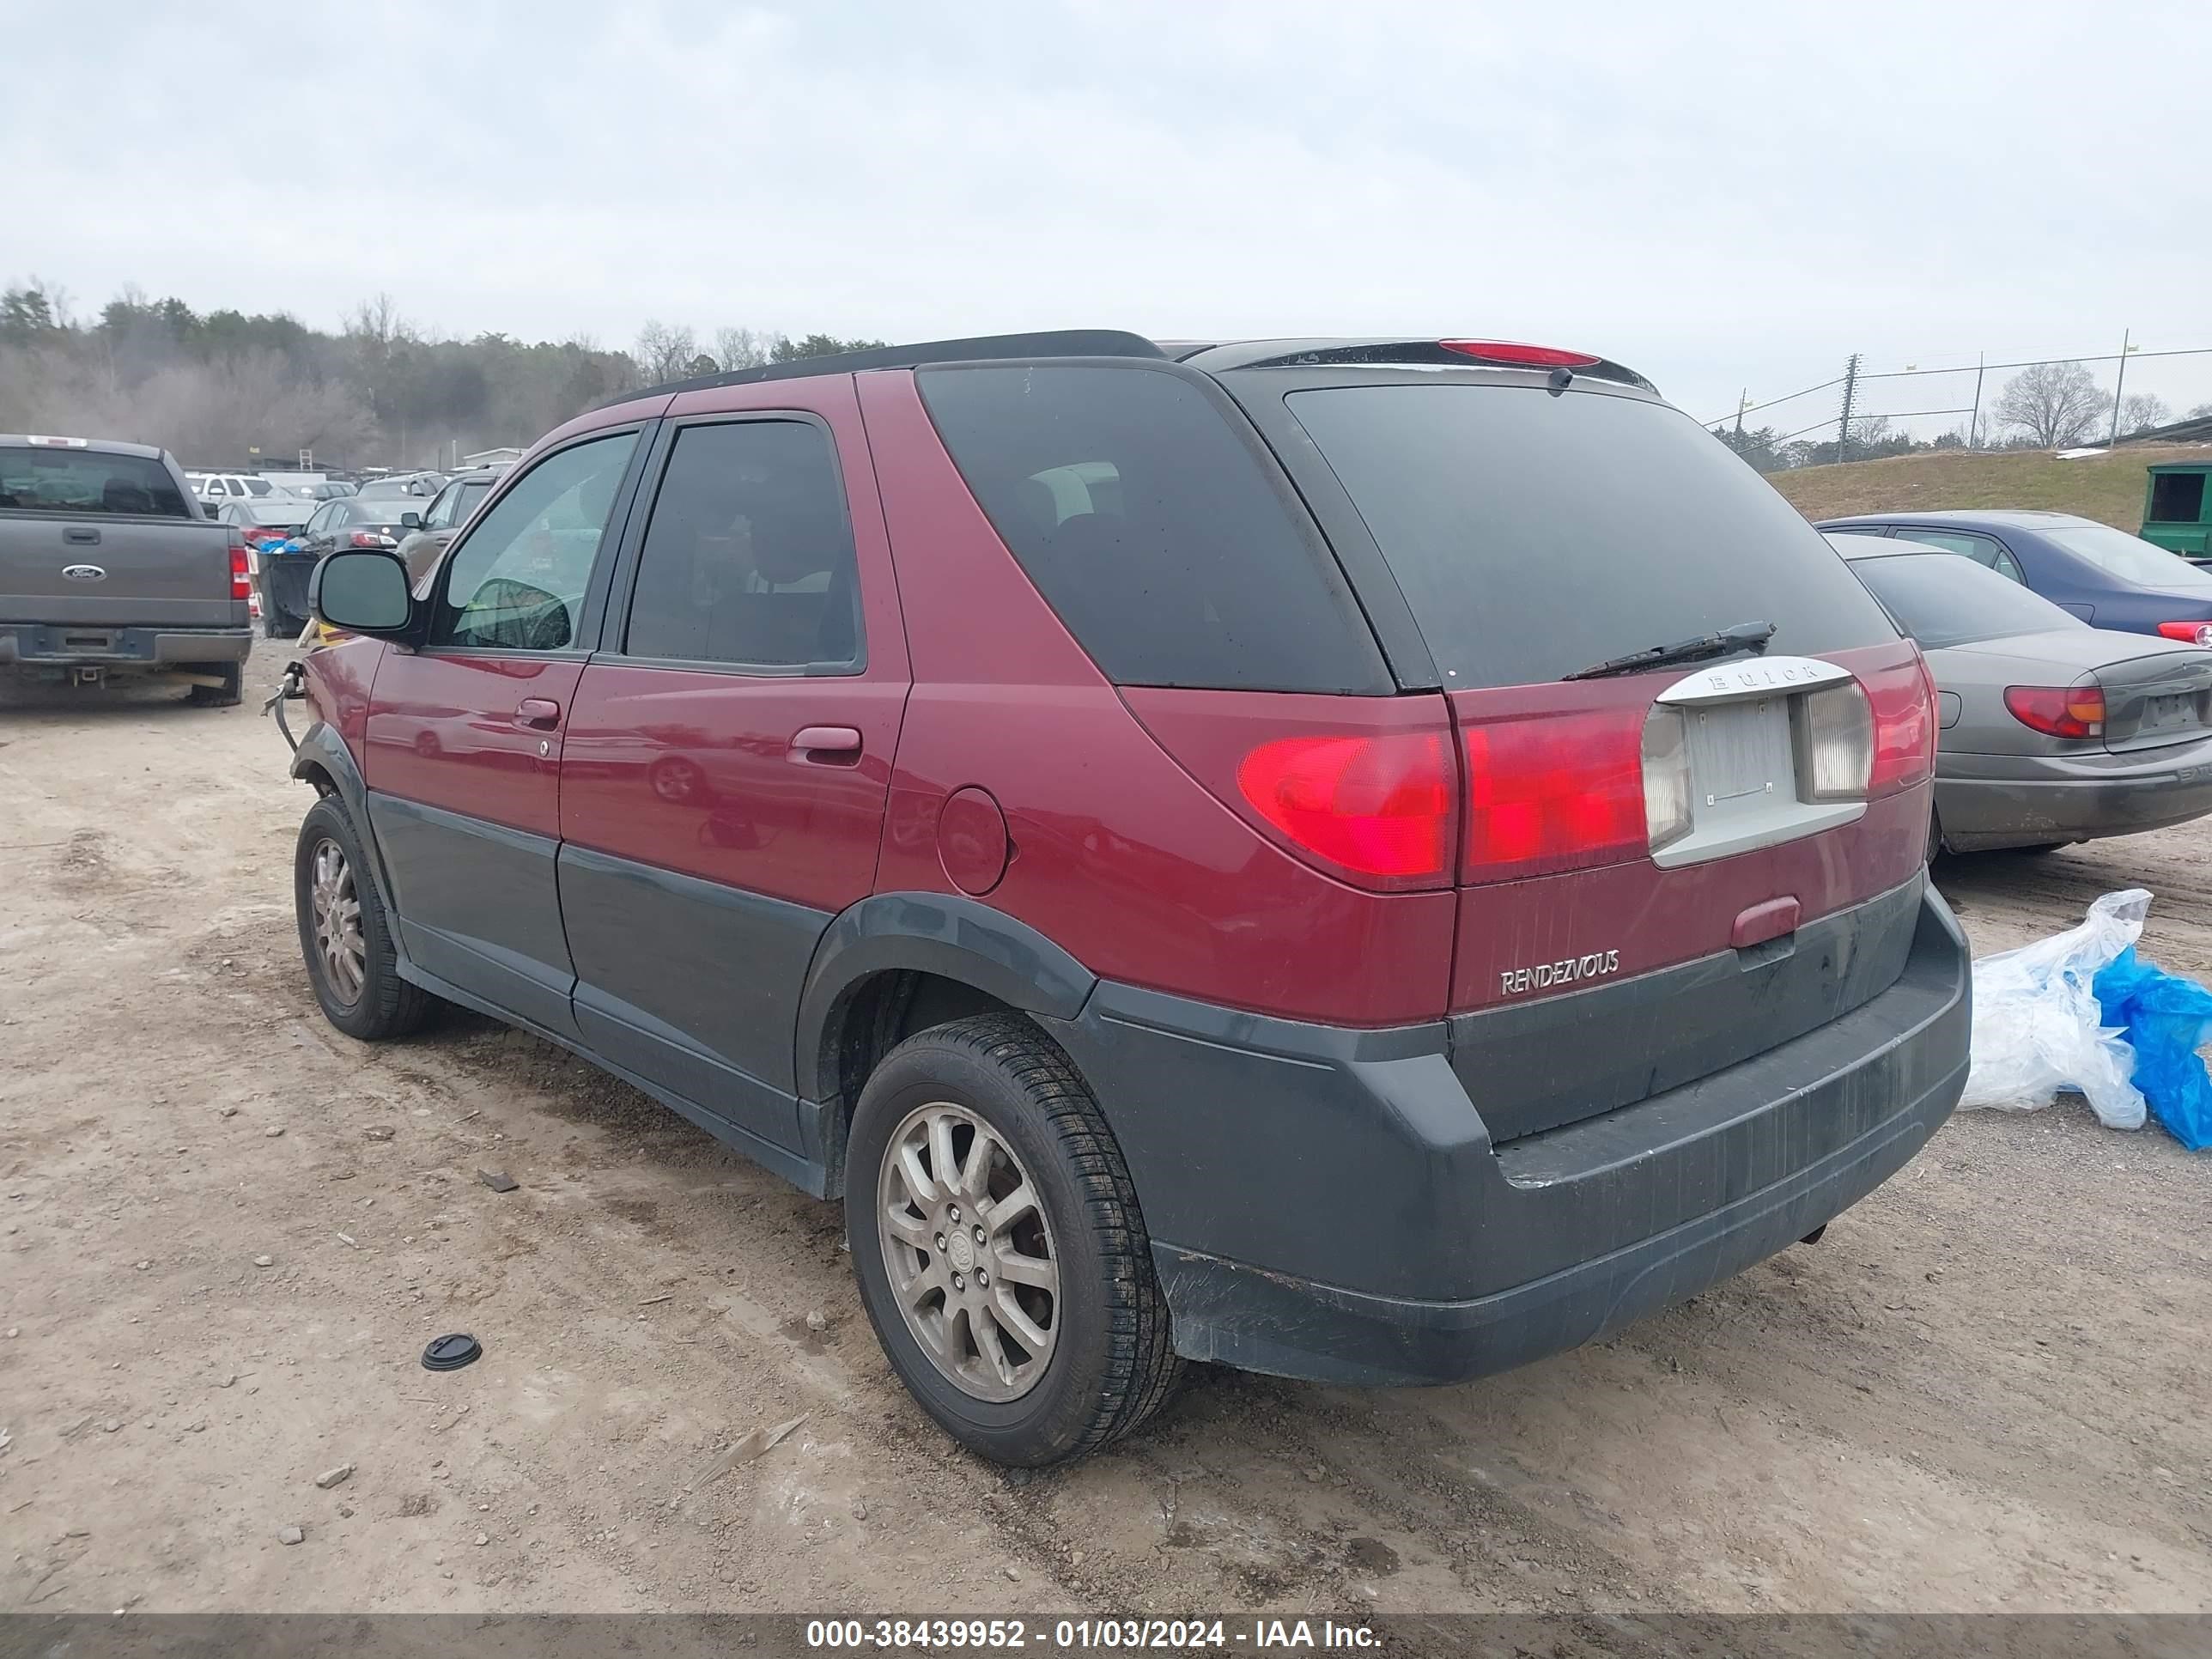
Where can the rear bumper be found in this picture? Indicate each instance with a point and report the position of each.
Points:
(1988, 801)
(1341, 1214)
(42, 644)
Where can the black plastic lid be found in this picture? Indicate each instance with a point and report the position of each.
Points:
(450, 1353)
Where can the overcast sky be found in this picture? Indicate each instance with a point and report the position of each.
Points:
(1721, 197)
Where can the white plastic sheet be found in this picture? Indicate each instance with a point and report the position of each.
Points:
(2037, 1025)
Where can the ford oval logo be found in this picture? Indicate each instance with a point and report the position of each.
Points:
(84, 573)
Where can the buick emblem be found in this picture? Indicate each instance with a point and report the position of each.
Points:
(84, 573)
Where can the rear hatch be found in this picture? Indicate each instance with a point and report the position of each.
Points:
(1754, 824)
(93, 537)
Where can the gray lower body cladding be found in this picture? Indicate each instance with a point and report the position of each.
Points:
(1332, 1205)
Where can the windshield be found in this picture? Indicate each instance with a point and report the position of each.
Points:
(258, 487)
(1942, 599)
(1535, 534)
(2130, 558)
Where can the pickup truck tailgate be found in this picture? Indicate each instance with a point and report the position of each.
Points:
(155, 571)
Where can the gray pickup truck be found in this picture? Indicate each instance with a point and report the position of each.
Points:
(110, 569)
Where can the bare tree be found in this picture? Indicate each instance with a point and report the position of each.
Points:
(742, 348)
(2056, 404)
(2142, 410)
(664, 353)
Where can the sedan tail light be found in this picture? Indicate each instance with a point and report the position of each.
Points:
(2058, 711)
(2190, 632)
(369, 538)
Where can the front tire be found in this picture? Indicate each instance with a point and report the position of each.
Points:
(345, 935)
(976, 1151)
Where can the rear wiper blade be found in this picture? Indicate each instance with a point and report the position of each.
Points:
(1750, 636)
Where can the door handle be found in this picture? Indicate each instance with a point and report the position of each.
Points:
(825, 746)
(538, 713)
(78, 535)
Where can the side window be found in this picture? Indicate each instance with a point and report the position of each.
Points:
(1147, 519)
(318, 522)
(748, 557)
(517, 583)
(1984, 550)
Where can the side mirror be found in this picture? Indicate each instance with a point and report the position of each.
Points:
(361, 591)
(411, 521)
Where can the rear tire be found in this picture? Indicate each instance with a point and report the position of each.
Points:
(1036, 1171)
(225, 695)
(345, 935)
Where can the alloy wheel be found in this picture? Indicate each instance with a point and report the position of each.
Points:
(968, 1251)
(338, 938)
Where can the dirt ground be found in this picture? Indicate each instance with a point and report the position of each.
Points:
(228, 1233)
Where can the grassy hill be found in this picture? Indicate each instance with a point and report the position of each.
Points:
(2109, 488)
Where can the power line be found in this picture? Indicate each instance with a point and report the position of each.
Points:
(1963, 368)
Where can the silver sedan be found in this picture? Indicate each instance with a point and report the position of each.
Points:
(2052, 731)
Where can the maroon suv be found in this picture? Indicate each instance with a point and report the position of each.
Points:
(1373, 860)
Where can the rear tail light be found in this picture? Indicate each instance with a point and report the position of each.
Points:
(370, 538)
(241, 577)
(1378, 805)
(1526, 357)
(1903, 704)
(1560, 792)
(2058, 711)
(2190, 632)
(1833, 730)
(1668, 814)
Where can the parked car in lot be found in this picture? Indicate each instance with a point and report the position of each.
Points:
(1365, 859)
(220, 487)
(422, 484)
(429, 530)
(2052, 731)
(349, 521)
(2102, 575)
(110, 570)
(328, 490)
(265, 517)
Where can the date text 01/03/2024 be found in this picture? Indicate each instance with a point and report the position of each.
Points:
(1114, 1635)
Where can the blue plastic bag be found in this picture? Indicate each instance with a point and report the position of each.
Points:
(2165, 1016)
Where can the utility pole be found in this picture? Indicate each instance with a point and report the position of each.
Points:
(1742, 403)
(2119, 386)
(1851, 391)
(1974, 421)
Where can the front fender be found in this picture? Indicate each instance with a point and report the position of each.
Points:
(942, 933)
(322, 750)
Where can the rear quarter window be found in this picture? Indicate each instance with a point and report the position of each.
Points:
(81, 481)
(1535, 534)
(1150, 523)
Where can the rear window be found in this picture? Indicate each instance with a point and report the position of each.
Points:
(2130, 558)
(40, 480)
(1941, 600)
(1535, 534)
(1148, 523)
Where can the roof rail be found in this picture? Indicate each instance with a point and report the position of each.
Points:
(1059, 343)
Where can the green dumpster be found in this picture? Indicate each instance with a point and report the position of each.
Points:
(2177, 510)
